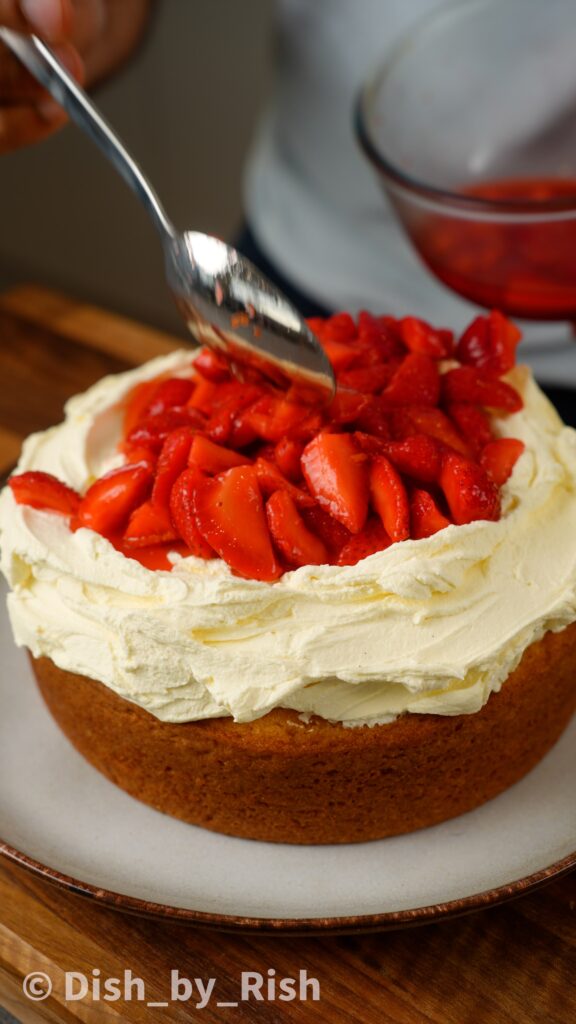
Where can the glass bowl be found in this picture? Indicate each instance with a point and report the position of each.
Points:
(470, 124)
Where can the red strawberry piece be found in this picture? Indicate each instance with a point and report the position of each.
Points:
(369, 444)
(433, 422)
(380, 334)
(340, 327)
(341, 356)
(226, 404)
(416, 382)
(337, 478)
(154, 556)
(418, 336)
(287, 455)
(183, 515)
(367, 379)
(204, 396)
(213, 458)
(212, 366)
(419, 456)
(467, 384)
(295, 542)
(153, 431)
(108, 503)
(390, 499)
(44, 491)
(272, 418)
(150, 523)
(374, 419)
(425, 516)
(372, 538)
(172, 460)
(331, 532)
(138, 453)
(468, 489)
(270, 480)
(174, 391)
(230, 516)
(489, 344)
(499, 457)
(136, 402)
(347, 406)
(472, 423)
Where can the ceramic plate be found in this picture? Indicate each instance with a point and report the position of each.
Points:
(60, 818)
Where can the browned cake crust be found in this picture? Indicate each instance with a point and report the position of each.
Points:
(282, 780)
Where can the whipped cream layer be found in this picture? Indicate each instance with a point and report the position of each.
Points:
(428, 626)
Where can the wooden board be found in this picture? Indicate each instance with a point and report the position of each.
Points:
(513, 964)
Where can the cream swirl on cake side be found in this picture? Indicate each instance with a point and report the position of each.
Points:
(427, 626)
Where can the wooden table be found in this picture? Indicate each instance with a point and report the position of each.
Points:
(513, 964)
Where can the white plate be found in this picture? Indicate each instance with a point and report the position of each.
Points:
(59, 817)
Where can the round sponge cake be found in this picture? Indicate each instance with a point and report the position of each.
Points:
(282, 779)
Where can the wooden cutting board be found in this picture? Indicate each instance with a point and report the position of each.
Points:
(513, 964)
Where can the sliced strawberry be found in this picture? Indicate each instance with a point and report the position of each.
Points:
(469, 491)
(230, 516)
(212, 366)
(416, 382)
(499, 457)
(390, 499)
(372, 538)
(425, 516)
(153, 431)
(108, 503)
(339, 327)
(489, 344)
(347, 406)
(380, 334)
(155, 556)
(271, 479)
(433, 422)
(467, 384)
(169, 393)
(150, 523)
(333, 534)
(367, 379)
(287, 455)
(295, 542)
(214, 458)
(172, 460)
(337, 477)
(136, 402)
(204, 396)
(272, 418)
(369, 444)
(183, 516)
(341, 356)
(418, 336)
(135, 453)
(374, 419)
(44, 491)
(419, 456)
(472, 423)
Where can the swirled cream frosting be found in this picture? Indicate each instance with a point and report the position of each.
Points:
(427, 626)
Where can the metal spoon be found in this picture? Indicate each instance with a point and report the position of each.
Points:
(226, 302)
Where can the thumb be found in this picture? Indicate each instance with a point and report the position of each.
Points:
(51, 19)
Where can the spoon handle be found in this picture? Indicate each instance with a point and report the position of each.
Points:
(47, 69)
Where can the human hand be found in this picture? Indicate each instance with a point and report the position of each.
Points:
(90, 37)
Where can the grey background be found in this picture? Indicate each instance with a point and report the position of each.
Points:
(186, 106)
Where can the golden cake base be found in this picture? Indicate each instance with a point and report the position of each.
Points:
(282, 780)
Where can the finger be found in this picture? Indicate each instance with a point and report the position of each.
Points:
(51, 19)
(21, 126)
(18, 86)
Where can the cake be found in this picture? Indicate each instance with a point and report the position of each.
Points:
(299, 624)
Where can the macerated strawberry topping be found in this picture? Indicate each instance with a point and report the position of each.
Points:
(219, 467)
